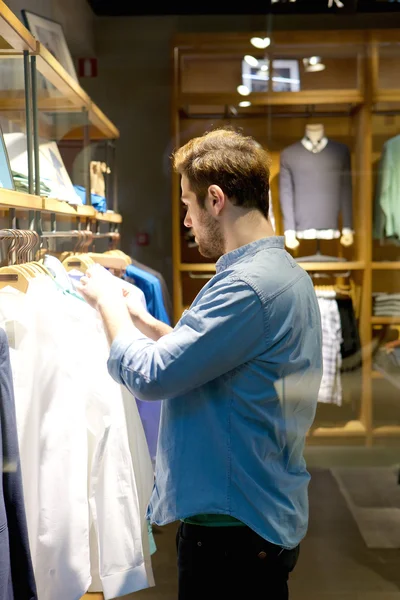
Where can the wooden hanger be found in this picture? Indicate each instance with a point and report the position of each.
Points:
(79, 260)
(12, 275)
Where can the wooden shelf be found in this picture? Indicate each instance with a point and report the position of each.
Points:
(199, 267)
(385, 320)
(386, 265)
(58, 207)
(387, 95)
(16, 37)
(351, 429)
(85, 211)
(332, 266)
(307, 266)
(71, 97)
(386, 431)
(109, 217)
(19, 200)
(66, 85)
(104, 127)
(315, 97)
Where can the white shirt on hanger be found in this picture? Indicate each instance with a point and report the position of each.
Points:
(74, 447)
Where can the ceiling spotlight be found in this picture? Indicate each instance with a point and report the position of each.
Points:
(261, 43)
(264, 67)
(243, 90)
(313, 64)
(251, 61)
(244, 104)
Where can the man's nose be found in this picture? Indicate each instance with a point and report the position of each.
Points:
(187, 221)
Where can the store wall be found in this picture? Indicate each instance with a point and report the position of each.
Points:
(75, 16)
(134, 89)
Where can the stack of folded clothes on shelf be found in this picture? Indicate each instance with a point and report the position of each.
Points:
(386, 305)
(22, 184)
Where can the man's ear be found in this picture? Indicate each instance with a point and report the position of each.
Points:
(216, 198)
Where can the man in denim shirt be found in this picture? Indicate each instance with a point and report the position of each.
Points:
(239, 375)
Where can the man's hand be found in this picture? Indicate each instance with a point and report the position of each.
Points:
(136, 310)
(99, 285)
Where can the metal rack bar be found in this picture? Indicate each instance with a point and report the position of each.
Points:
(28, 117)
(59, 234)
(87, 156)
(35, 118)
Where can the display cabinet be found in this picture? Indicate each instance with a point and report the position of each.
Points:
(347, 82)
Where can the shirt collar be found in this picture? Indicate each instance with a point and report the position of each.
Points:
(248, 250)
(318, 147)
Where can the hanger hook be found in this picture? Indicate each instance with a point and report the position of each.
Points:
(12, 245)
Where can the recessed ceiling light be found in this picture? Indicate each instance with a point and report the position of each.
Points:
(264, 67)
(261, 43)
(251, 60)
(313, 64)
(244, 104)
(316, 68)
(243, 90)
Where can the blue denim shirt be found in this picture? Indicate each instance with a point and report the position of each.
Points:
(240, 375)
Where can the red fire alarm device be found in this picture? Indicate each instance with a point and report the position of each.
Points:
(143, 239)
(87, 67)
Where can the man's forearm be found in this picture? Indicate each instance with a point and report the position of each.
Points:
(116, 318)
(149, 326)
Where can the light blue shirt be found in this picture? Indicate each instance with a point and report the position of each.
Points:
(240, 375)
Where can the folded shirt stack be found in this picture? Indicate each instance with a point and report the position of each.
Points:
(386, 305)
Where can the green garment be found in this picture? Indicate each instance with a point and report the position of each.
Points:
(387, 199)
(214, 521)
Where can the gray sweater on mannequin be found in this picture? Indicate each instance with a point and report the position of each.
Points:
(315, 187)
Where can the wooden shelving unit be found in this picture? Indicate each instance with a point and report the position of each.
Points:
(66, 97)
(356, 64)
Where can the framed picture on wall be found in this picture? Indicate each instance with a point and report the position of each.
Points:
(51, 35)
(285, 75)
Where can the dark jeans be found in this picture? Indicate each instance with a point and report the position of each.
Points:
(215, 563)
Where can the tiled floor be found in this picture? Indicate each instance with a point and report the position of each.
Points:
(335, 564)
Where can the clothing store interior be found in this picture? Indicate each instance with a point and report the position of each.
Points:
(96, 96)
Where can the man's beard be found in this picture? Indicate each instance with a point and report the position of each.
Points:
(211, 240)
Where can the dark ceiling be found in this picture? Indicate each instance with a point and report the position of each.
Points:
(204, 7)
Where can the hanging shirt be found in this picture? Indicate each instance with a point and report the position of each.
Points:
(387, 211)
(150, 412)
(240, 375)
(164, 289)
(17, 581)
(151, 288)
(330, 391)
(75, 454)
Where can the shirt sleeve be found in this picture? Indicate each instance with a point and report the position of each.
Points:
(222, 332)
(383, 199)
(347, 192)
(286, 193)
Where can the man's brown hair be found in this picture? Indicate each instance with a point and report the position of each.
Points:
(224, 157)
